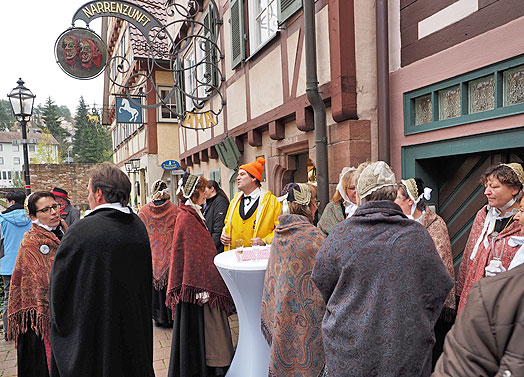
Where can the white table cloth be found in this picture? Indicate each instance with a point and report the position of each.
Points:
(245, 281)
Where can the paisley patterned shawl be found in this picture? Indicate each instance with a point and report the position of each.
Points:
(438, 231)
(333, 215)
(473, 270)
(384, 284)
(160, 224)
(292, 307)
(29, 293)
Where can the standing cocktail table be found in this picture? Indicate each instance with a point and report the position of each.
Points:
(245, 281)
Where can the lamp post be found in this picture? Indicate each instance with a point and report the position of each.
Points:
(22, 101)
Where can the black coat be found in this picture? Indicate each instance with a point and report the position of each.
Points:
(215, 214)
(100, 298)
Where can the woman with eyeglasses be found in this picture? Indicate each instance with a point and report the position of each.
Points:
(28, 313)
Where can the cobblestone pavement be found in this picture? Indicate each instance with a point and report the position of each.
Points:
(161, 350)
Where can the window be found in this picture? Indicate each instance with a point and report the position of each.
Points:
(167, 112)
(264, 17)
(31, 148)
(16, 160)
(215, 175)
(1, 147)
(4, 175)
(263, 22)
(189, 79)
(491, 92)
(16, 148)
(9, 174)
(1, 160)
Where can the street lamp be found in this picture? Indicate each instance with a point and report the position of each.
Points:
(129, 166)
(136, 163)
(22, 101)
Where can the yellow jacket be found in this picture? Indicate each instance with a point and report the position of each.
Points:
(267, 214)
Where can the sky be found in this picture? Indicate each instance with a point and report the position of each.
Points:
(28, 32)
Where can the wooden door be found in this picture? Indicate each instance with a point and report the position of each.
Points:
(460, 194)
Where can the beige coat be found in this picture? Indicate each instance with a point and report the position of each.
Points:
(487, 339)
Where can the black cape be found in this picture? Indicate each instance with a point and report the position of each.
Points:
(100, 298)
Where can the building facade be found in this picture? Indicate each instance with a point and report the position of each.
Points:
(456, 99)
(266, 110)
(12, 157)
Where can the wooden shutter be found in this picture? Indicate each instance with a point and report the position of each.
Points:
(238, 49)
(286, 8)
(211, 73)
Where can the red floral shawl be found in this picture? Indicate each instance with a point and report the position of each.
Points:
(192, 270)
(472, 271)
(160, 224)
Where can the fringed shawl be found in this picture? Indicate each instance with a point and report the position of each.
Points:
(292, 306)
(29, 293)
(192, 271)
(160, 224)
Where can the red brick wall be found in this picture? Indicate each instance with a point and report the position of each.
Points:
(71, 177)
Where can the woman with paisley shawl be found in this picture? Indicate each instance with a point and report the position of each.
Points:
(292, 306)
(159, 217)
(201, 344)
(28, 315)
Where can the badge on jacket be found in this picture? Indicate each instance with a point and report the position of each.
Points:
(44, 249)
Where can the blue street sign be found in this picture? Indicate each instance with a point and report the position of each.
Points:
(127, 111)
(170, 165)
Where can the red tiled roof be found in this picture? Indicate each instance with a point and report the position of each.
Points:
(138, 42)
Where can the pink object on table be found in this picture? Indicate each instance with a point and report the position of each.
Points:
(250, 253)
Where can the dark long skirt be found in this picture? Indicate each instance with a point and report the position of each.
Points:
(442, 327)
(32, 360)
(161, 313)
(188, 354)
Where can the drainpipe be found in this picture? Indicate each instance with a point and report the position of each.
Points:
(383, 81)
(319, 108)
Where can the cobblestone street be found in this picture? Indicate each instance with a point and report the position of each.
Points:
(161, 350)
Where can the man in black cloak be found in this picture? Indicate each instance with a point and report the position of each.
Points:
(100, 290)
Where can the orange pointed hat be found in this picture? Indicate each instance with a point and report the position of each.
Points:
(255, 168)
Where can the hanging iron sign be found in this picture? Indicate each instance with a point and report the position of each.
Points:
(81, 53)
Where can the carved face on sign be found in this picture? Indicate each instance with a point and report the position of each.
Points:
(89, 53)
(81, 53)
(70, 45)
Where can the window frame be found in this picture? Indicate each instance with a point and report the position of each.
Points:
(497, 70)
(164, 90)
(256, 43)
(14, 161)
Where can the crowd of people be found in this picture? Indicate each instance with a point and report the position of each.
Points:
(368, 291)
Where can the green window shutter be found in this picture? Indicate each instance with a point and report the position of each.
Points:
(238, 50)
(210, 23)
(179, 91)
(286, 8)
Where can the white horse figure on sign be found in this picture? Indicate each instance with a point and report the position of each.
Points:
(127, 107)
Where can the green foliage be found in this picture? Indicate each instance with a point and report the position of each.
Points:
(50, 116)
(92, 140)
(45, 152)
(18, 180)
(7, 119)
